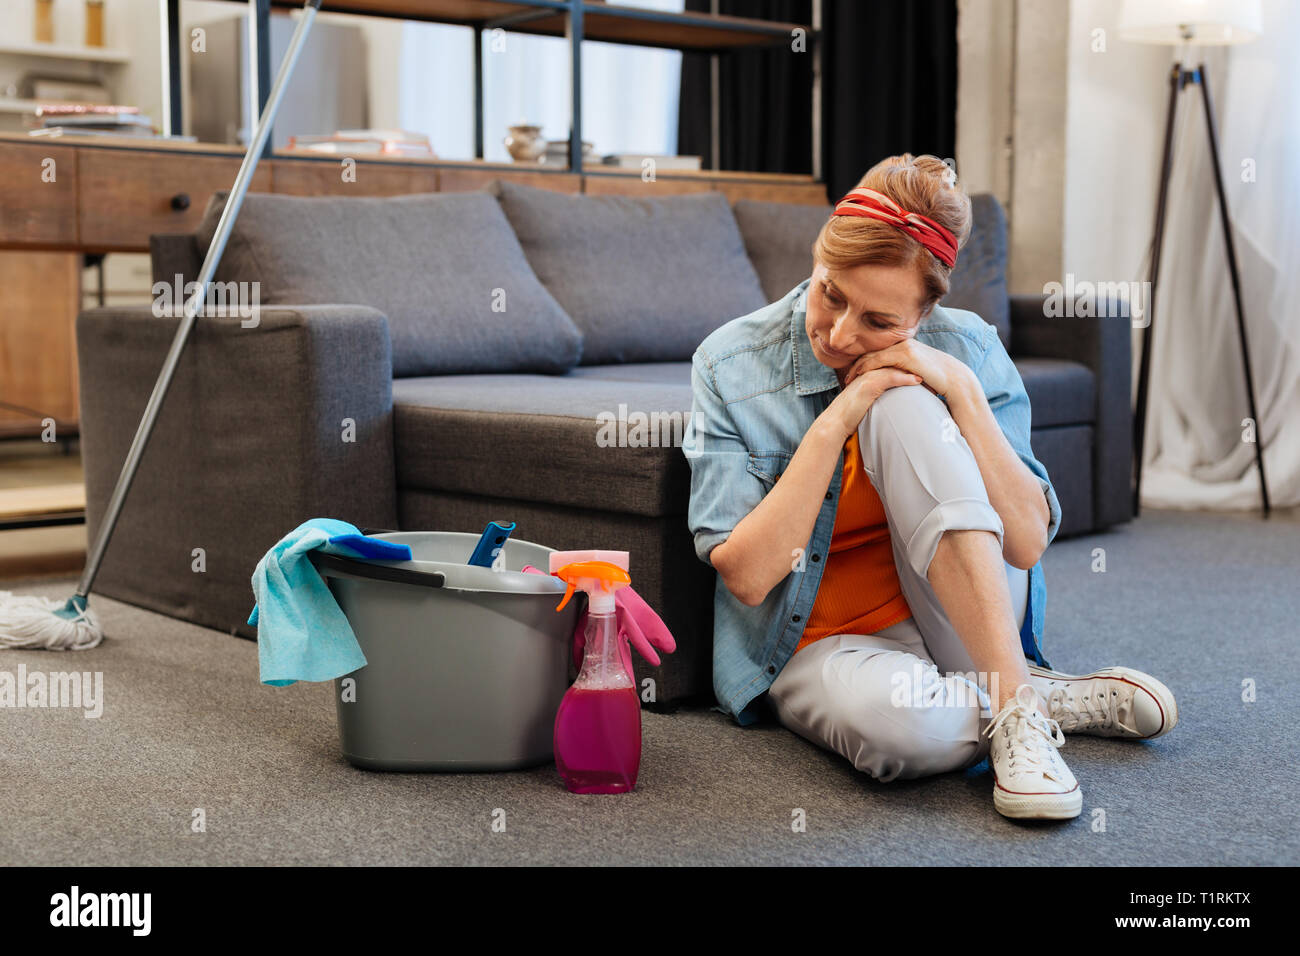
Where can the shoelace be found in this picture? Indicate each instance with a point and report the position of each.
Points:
(1032, 734)
(1098, 708)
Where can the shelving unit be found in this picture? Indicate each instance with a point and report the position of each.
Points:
(54, 51)
(575, 20)
(18, 106)
(63, 53)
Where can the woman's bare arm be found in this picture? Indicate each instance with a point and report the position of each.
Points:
(762, 549)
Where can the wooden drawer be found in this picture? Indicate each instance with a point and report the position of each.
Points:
(636, 187)
(33, 211)
(461, 180)
(325, 178)
(808, 194)
(127, 196)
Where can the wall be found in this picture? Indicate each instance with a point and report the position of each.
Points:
(1011, 124)
(1062, 121)
(985, 30)
(1038, 123)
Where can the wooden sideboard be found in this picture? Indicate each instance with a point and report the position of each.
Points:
(105, 195)
(60, 198)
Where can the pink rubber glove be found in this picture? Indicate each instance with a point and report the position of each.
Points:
(638, 624)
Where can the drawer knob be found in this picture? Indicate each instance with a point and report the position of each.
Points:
(181, 202)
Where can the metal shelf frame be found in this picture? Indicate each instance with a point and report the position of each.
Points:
(710, 33)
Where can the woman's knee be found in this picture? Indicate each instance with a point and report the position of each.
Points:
(938, 728)
(912, 422)
(917, 722)
(908, 404)
(908, 754)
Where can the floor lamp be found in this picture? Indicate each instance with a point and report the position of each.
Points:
(1182, 23)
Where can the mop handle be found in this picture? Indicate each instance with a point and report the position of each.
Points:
(195, 302)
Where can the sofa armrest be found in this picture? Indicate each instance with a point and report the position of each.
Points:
(263, 428)
(1101, 340)
(173, 255)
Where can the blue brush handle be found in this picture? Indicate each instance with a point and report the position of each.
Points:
(490, 544)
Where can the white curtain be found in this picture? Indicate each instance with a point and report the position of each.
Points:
(1196, 455)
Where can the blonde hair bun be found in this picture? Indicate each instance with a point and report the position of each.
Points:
(923, 184)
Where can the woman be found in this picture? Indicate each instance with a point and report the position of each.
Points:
(863, 483)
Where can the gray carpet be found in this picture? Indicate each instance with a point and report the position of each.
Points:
(1204, 602)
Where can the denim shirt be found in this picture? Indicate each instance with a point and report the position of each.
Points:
(758, 387)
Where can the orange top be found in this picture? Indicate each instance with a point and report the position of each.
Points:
(859, 591)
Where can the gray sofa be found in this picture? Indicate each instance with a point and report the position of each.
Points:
(433, 362)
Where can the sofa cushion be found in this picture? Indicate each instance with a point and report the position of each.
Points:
(1060, 392)
(778, 238)
(646, 280)
(449, 433)
(446, 270)
(979, 281)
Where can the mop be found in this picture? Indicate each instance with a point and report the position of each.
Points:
(48, 624)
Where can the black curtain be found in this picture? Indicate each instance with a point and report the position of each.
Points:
(765, 96)
(889, 85)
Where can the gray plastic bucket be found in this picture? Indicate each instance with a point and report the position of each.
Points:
(465, 666)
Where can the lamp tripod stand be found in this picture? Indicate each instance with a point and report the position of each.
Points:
(1179, 79)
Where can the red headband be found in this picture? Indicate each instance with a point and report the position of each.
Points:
(861, 201)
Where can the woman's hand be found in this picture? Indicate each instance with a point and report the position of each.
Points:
(938, 371)
(851, 404)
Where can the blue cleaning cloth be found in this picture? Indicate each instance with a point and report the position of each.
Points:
(301, 632)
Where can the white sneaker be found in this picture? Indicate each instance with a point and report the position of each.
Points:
(1030, 780)
(1110, 702)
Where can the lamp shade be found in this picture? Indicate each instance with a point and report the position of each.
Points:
(1204, 22)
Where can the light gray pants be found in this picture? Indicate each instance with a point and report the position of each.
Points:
(904, 702)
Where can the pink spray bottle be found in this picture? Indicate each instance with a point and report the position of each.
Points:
(598, 725)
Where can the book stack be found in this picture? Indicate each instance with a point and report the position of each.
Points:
(635, 160)
(90, 119)
(362, 142)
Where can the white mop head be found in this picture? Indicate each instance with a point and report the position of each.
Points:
(46, 624)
